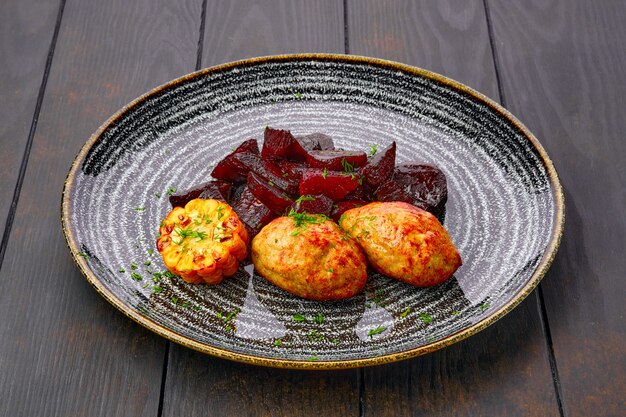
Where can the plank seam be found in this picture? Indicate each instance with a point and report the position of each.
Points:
(550, 347)
(31, 134)
(163, 379)
(543, 316)
(496, 64)
(201, 38)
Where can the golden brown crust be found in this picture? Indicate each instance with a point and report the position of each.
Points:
(403, 242)
(202, 242)
(315, 260)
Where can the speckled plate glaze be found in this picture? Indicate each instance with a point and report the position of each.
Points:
(504, 213)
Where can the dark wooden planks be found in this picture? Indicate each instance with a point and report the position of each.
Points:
(26, 32)
(563, 70)
(503, 370)
(64, 350)
(200, 385)
(239, 30)
(442, 36)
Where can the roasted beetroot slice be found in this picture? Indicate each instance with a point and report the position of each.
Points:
(336, 160)
(243, 163)
(273, 198)
(229, 168)
(392, 191)
(235, 166)
(380, 167)
(280, 144)
(235, 193)
(252, 213)
(318, 204)
(248, 146)
(219, 190)
(425, 183)
(290, 170)
(343, 206)
(316, 142)
(361, 192)
(334, 185)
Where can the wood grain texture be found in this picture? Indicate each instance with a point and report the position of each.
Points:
(563, 68)
(26, 30)
(238, 30)
(443, 36)
(64, 350)
(200, 385)
(501, 371)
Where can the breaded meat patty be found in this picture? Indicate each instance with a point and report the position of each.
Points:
(310, 256)
(403, 242)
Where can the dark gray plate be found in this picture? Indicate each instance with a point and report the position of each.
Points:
(504, 213)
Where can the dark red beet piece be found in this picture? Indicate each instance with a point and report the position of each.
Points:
(216, 189)
(333, 184)
(249, 146)
(228, 169)
(391, 190)
(252, 213)
(343, 206)
(316, 142)
(235, 193)
(290, 170)
(243, 163)
(380, 167)
(361, 192)
(336, 160)
(318, 204)
(426, 184)
(281, 144)
(273, 198)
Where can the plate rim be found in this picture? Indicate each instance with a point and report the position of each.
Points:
(540, 271)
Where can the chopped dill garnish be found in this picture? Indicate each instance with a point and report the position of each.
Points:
(324, 173)
(405, 312)
(426, 318)
(377, 330)
(305, 198)
(299, 318)
(170, 191)
(373, 150)
(319, 318)
(347, 166)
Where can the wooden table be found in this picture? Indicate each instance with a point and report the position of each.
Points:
(67, 65)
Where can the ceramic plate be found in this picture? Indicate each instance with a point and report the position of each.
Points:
(504, 212)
